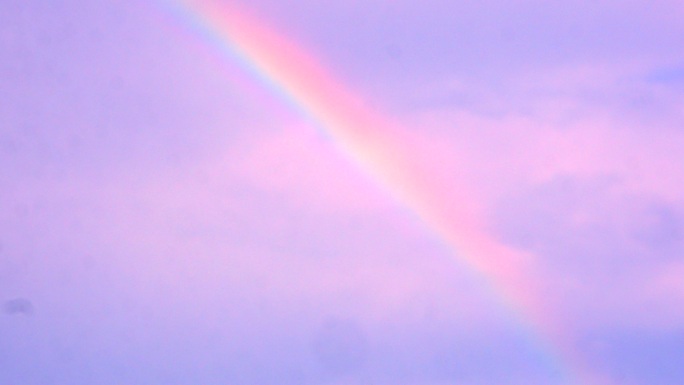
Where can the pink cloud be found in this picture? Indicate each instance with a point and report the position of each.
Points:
(145, 225)
(308, 168)
(494, 155)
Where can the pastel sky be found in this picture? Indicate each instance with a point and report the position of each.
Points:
(167, 217)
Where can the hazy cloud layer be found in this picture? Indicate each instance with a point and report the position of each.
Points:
(166, 219)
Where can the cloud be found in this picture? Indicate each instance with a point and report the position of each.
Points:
(170, 261)
(18, 306)
(308, 168)
(151, 201)
(613, 254)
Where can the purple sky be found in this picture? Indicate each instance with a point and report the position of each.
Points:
(165, 219)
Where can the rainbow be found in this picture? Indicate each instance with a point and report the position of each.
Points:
(381, 149)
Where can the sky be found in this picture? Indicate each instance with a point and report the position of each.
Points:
(401, 193)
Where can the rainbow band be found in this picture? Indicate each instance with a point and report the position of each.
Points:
(379, 149)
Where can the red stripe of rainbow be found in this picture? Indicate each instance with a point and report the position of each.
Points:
(378, 147)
